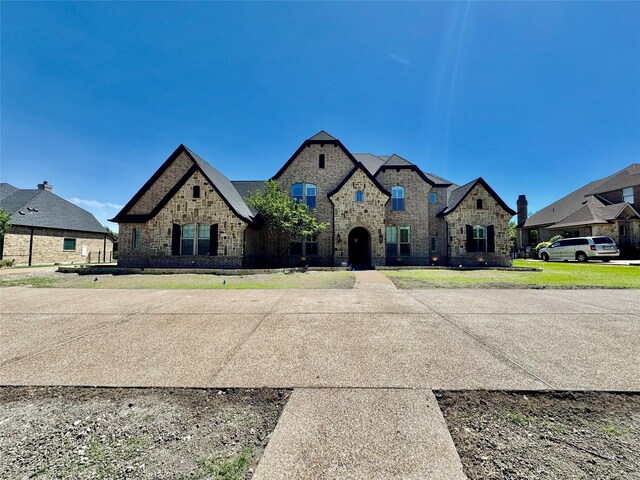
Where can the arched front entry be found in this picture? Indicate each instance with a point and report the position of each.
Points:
(359, 248)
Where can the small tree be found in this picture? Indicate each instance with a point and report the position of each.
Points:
(5, 222)
(285, 219)
(5, 225)
(513, 242)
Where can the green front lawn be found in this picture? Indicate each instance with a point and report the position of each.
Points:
(554, 275)
(340, 279)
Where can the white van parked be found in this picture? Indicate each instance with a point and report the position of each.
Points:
(581, 249)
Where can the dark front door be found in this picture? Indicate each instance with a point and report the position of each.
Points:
(359, 248)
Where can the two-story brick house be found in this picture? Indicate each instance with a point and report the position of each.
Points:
(380, 210)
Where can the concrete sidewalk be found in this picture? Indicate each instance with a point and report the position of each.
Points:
(361, 433)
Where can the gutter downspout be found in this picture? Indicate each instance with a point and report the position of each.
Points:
(30, 246)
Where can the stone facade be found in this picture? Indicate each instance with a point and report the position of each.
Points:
(467, 213)
(368, 214)
(183, 209)
(305, 169)
(325, 164)
(48, 246)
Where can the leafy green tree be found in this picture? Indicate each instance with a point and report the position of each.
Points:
(285, 219)
(5, 222)
(512, 234)
(115, 235)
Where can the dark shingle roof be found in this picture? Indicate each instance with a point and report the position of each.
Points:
(247, 187)
(224, 187)
(561, 209)
(593, 211)
(457, 195)
(626, 177)
(373, 163)
(322, 135)
(370, 161)
(43, 209)
(396, 161)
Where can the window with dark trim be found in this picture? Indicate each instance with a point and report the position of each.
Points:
(398, 241)
(311, 245)
(304, 193)
(321, 160)
(196, 191)
(479, 204)
(295, 247)
(203, 239)
(69, 244)
(187, 239)
(479, 238)
(359, 196)
(397, 198)
(627, 195)
(136, 240)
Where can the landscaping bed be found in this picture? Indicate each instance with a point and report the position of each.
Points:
(72, 432)
(543, 435)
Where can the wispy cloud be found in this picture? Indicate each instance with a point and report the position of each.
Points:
(401, 59)
(95, 203)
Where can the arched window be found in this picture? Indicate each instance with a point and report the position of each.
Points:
(359, 196)
(196, 191)
(297, 192)
(479, 205)
(397, 198)
(310, 195)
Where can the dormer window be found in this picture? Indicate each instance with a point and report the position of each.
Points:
(321, 161)
(627, 195)
(196, 191)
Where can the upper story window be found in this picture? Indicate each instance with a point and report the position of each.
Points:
(480, 238)
(433, 198)
(304, 192)
(136, 240)
(397, 198)
(479, 204)
(359, 196)
(627, 195)
(321, 160)
(196, 191)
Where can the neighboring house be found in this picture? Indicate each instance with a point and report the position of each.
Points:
(608, 206)
(46, 228)
(380, 210)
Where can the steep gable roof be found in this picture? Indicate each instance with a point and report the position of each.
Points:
(367, 173)
(44, 209)
(376, 163)
(221, 184)
(320, 138)
(457, 195)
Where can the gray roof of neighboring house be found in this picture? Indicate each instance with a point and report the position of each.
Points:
(224, 187)
(593, 212)
(44, 209)
(626, 177)
(561, 209)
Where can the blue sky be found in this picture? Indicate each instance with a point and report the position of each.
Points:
(538, 98)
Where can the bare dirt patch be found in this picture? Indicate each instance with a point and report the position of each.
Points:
(585, 435)
(68, 432)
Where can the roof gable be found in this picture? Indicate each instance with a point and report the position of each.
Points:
(221, 184)
(459, 194)
(351, 173)
(320, 138)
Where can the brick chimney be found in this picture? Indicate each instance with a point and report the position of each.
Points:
(522, 209)
(45, 186)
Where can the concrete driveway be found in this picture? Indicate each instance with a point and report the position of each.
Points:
(449, 339)
(362, 361)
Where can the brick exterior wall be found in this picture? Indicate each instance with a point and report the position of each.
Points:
(467, 214)
(48, 246)
(161, 187)
(305, 169)
(615, 196)
(419, 214)
(368, 214)
(183, 209)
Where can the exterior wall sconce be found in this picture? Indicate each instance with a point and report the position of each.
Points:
(338, 239)
(380, 237)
